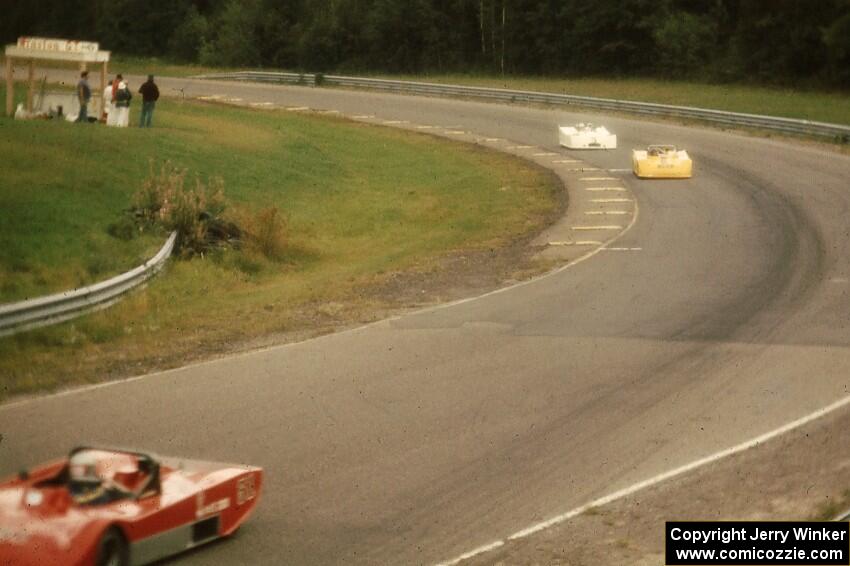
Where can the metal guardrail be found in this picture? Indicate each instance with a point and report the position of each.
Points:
(836, 132)
(24, 315)
(275, 77)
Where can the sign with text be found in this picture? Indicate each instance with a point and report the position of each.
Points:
(744, 543)
(58, 45)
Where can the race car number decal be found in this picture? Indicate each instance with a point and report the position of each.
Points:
(215, 507)
(246, 490)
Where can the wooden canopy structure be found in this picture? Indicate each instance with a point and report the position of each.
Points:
(32, 49)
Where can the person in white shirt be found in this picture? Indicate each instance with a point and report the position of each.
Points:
(122, 105)
(108, 114)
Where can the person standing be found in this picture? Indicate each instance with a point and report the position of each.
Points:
(83, 95)
(115, 82)
(112, 119)
(150, 94)
(122, 105)
(108, 110)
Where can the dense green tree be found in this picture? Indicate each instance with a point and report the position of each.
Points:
(141, 27)
(836, 38)
(190, 36)
(402, 33)
(276, 38)
(685, 43)
(71, 19)
(235, 41)
(778, 40)
(612, 37)
(781, 41)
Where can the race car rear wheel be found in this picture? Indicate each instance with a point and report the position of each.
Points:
(112, 549)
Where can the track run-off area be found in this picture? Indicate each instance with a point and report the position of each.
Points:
(721, 315)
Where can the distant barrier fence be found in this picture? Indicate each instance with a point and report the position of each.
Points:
(16, 317)
(836, 132)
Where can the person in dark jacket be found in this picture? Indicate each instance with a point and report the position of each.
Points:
(83, 95)
(150, 94)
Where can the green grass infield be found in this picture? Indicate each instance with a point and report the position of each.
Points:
(361, 202)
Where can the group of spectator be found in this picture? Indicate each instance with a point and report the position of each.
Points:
(116, 101)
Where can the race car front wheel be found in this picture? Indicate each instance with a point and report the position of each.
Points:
(112, 549)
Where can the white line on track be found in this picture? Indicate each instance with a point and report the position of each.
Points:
(655, 480)
(575, 243)
(599, 179)
(598, 189)
(622, 249)
(566, 161)
(601, 227)
(604, 212)
(392, 122)
(493, 139)
(298, 108)
(584, 169)
(544, 154)
(454, 132)
(619, 170)
(425, 127)
(604, 200)
(480, 550)
(363, 116)
(519, 147)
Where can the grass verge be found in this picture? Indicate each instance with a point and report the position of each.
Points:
(134, 65)
(833, 107)
(63, 185)
(362, 205)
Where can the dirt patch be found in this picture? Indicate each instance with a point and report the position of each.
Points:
(803, 475)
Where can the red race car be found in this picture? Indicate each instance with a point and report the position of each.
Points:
(108, 507)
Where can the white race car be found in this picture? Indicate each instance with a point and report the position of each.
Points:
(587, 136)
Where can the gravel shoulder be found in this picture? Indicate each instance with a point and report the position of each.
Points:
(802, 475)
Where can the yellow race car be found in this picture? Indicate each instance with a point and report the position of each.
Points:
(662, 162)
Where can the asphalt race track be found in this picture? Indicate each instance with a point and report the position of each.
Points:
(416, 439)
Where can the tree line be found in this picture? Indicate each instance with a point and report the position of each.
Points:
(765, 41)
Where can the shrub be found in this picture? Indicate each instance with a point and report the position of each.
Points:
(191, 211)
(264, 231)
(194, 212)
(197, 213)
